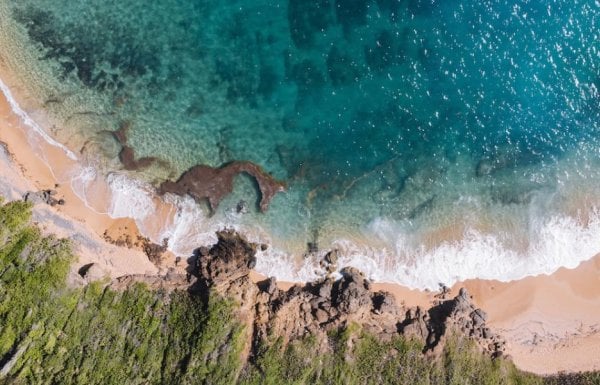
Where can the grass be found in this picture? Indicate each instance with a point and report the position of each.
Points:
(53, 334)
(359, 358)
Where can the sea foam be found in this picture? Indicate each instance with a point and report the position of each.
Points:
(558, 241)
(130, 198)
(187, 230)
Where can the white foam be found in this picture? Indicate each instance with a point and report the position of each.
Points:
(130, 198)
(277, 263)
(554, 241)
(27, 120)
(82, 177)
(185, 233)
(559, 241)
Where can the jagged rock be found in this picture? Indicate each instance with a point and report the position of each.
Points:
(332, 257)
(230, 258)
(329, 261)
(43, 196)
(325, 289)
(315, 303)
(479, 317)
(350, 292)
(481, 314)
(294, 291)
(241, 207)
(270, 286)
(305, 307)
(321, 316)
(153, 251)
(487, 333)
(384, 302)
(326, 305)
(415, 329)
(462, 302)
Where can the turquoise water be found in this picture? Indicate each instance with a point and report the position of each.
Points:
(413, 129)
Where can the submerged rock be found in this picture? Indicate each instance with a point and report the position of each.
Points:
(213, 184)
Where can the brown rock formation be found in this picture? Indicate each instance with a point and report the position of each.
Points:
(202, 182)
(319, 307)
(205, 182)
(172, 280)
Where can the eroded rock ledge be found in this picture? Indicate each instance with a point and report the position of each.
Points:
(319, 307)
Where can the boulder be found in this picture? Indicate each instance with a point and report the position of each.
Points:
(324, 289)
(229, 259)
(479, 317)
(384, 302)
(321, 316)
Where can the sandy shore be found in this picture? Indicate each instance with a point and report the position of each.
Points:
(552, 323)
(22, 170)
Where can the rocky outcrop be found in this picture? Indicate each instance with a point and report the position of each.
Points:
(319, 307)
(172, 280)
(213, 184)
(47, 196)
(201, 181)
(459, 315)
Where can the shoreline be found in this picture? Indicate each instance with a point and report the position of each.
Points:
(23, 170)
(546, 319)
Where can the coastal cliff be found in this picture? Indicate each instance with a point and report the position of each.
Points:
(322, 307)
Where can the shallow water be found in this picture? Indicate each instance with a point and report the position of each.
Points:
(432, 141)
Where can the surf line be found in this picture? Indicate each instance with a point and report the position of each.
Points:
(27, 120)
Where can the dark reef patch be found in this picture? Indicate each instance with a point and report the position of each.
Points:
(98, 59)
(307, 18)
(341, 68)
(392, 7)
(307, 75)
(351, 13)
(385, 52)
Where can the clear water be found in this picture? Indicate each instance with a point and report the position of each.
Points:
(430, 140)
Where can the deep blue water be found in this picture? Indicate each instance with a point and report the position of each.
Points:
(396, 117)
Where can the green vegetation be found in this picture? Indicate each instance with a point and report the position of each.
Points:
(54, 334)
(362, 359)
(586, 378)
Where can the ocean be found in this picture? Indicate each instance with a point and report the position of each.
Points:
(427, 141)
